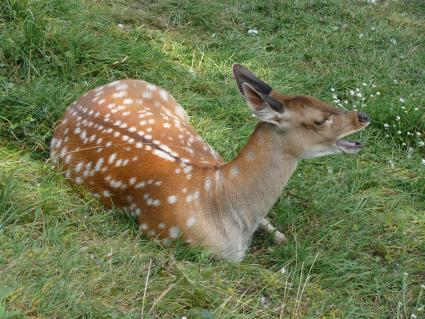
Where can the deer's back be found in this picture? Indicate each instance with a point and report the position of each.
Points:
(130, 143)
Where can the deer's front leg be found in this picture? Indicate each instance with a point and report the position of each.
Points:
(278, 237)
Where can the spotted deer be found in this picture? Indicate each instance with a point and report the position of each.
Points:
(130, 143)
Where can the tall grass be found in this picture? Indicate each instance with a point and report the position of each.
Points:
(355, 225)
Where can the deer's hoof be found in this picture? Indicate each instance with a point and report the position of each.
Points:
(279, 238)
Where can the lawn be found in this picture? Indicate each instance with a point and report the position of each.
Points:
(355, 224)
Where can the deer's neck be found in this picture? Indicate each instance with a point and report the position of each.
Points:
(254, 180)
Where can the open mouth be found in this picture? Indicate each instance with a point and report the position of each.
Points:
(349, 147)
(353, 147)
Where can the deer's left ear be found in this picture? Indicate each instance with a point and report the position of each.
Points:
(263, 106)
(243, 75)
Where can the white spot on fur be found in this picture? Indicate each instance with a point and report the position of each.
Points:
(68, 159)
(163, 155)
(172, 199)
(79, 167)
(234, 171)
(249, 156)
(128, 101)
(218, 177)
(118, 163)
(151, 87)
(207, 184)
(140, 185)
(164, 95)
(191, 221)
(174, 232)
(119, 94)
(99, 164)
(112, 158)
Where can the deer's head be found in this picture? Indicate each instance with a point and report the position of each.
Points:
(311, 127)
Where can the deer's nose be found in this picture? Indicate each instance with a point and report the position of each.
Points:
(363, 117)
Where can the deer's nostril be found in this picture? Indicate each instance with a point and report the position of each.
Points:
(363, 117)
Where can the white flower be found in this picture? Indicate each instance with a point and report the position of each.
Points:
(397, 118)
(359, 94)
(264, 301)
(403, 107)
(361, 35)
(421, 144)
(332, 89)
(373, 85)
(253, 31)
(418, 133)
(401, 100)
(398, 132)
(386, 125)
(351, 92)
(412, 316)
(364, 84)
(120, 25)
(283, 270)
(416, 109)
(423, 161)
(378, 93)
(334, 96)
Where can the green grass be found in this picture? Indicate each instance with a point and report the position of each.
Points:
(356, 225)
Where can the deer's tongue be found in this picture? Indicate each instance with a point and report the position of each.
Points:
(348, 144)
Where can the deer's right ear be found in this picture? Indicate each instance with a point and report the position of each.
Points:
(263, 106)
(243, 75)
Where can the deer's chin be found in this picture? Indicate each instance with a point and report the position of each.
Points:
(349, 147)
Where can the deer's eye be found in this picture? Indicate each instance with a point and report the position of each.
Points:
(321, 122)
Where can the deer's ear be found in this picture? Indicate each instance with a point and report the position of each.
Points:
(263, 106)
(243, 75)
